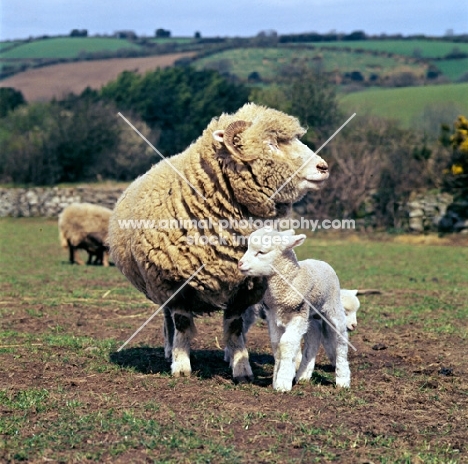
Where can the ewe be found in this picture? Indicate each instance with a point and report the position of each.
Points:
(85, 226)
(230, 174)
(294, 290)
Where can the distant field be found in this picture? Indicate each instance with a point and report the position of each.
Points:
(425, 48)
(66, 47)
(453, 69)
(268, 62)
(408, 103)
(179, 40)
(55, 81)
(4, 45)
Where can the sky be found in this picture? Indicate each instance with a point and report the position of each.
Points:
(243, 18)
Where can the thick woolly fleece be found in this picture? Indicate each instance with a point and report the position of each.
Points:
(157, 260)
(80, 220)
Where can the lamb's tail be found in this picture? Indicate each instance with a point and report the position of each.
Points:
(369, 291)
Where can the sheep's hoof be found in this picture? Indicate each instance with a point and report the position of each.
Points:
(181, 370)
(243, 379)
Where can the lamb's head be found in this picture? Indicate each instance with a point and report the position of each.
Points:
(266, 248)
(351, 305)
(265, 161)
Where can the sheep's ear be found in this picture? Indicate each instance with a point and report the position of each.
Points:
(218, 135)
(230, 135)
(295, 241)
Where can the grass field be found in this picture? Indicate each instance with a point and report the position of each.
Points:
(423, 48)
(67, 395)
(453, 69)
(269, 62)
(408, 104)
(65, 47)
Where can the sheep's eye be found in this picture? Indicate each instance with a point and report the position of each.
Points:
(259, 253)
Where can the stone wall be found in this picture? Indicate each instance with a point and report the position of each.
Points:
(49, 202)
(426, 210)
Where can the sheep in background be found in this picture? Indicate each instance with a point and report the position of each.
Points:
(289, 314)
(85, 226)
(231, 173)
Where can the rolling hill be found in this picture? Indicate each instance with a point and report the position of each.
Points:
(410, 105)
(43, 84)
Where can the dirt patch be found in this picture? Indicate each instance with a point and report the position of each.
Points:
(58, 80)
(409, 393)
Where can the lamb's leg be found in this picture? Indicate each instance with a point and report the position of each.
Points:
(235, 345)
(275, 333)
(289, 344)
(183, 334)
(90, 259)
(336, 347)
(310, 350)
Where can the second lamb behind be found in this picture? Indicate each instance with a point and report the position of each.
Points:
(302, 300)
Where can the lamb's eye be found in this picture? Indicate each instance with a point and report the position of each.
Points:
(259, 253)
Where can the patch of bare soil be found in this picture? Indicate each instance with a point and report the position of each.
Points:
(43, 84)
(409, 387)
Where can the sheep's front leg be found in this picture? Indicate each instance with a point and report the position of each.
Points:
(288, 346)
(183, 334)
(235, 346)
(311, 346)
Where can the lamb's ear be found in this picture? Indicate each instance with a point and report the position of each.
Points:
(294, 241)
(289, 232)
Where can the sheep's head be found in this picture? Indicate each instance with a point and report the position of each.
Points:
(265, 248)
(267, 163)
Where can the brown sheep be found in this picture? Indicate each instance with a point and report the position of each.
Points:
(85, 226)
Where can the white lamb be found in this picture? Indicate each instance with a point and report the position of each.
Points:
(302, 299)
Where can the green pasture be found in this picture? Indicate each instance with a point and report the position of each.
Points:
(453, 69)
(408, 104)
(66, 47)
(66, 395)
(413, 48)
(177, 40)
(269, 62)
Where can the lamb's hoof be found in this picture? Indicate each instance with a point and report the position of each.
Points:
(343, 383)
(283, 385)
(243, 379)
